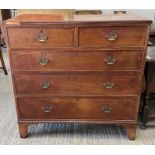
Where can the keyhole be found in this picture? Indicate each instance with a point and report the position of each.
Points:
(76, 101)
(75, 77)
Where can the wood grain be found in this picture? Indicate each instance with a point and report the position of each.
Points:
(81, 85)
(27, 37)
(77, 108)
(77, 84)
(127, 36)
(76, 60)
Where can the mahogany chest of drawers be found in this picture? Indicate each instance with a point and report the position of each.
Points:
(84, 69)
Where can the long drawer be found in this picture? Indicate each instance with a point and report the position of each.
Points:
(77, 108)
(76, 84)
(41, 60)
(40, 37)
(112, 36)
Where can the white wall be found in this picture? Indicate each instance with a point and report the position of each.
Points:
(143, 12)
(148, 13)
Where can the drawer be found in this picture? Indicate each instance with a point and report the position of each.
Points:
(112, 36)
(76, 84)
(76, 61)
(77, 108)
(40, 37)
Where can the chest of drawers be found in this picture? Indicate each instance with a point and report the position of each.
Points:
(84, 69)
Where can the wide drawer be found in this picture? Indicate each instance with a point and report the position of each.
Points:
(40, 37)
(77, 108)
(76, 60)
(112, 36)
(76, 84)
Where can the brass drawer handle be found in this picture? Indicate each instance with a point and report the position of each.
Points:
(106, 109)
(43, 61)
(42, 37)
(110, 60)
(47, 108)
(45, 84)
(108, 85)
(111, 36)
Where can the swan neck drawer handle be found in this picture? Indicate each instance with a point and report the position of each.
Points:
(110, 60)
(47, 108)
(43, 61)
(108, 85)
(111, 36)
(42, 37)
(106, 109)
(45, 84)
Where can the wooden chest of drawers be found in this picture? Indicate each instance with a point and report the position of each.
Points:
(77, 69)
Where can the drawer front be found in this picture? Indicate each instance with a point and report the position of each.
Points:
(112, 36)
(76, 84)
(77, 108)
(40, 37)
(74, 61)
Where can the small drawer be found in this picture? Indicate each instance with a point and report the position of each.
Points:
(76, 108)
(40, 37)
(48, 60)
(77, 84)
(112, 36)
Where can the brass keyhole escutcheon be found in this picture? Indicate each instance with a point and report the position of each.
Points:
(76, 101)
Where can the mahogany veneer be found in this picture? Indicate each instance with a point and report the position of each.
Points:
(76, 60)
(130, 36)
(78, 68)
(70, 108)
(29, 40)
(76, 84)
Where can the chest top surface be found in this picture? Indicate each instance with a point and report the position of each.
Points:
(75, 19)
